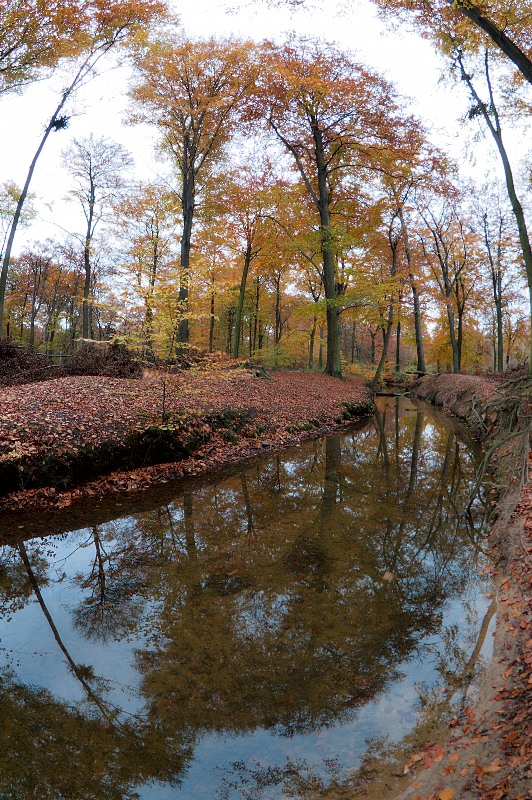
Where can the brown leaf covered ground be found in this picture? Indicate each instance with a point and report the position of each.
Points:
(59, 419)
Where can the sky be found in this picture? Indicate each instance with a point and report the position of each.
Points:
(401, 56)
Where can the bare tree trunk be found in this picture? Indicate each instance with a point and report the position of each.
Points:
(387, 334)
(211, 321)
(398, 346)
(496, 132)
(256, 313)
(248, 255)
(187, 207)
(312, 340)
(334, 362)
(421, 367)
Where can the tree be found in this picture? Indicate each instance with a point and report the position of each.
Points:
(452, 253)
(146, 222)
(96, 164)
(193, 92)
(461, 27)
(329, 113)
(503, 23)
(418, 166)
(247, 199)
(493, 224)
(100, 26)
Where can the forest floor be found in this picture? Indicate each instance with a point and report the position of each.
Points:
(64, 439)
(488, 754)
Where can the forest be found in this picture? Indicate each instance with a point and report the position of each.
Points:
(303, 216)
(230, 567)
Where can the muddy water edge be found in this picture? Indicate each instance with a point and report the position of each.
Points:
(295, 627)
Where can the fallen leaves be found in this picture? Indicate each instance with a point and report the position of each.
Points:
(446, 794)
(61, 420)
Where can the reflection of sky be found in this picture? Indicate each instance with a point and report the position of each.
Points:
(260, 611)
(29, 648)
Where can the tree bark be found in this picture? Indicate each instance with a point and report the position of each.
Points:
(211, 321)
(86, 311)
(421, 367)
(334, 364)
(187, 208)
(398, 346)
(387, 334)
(312, 340)
(248, 255)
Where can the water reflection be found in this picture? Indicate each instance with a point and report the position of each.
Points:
(272, 614)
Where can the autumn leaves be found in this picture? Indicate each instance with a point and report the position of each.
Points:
(335, 126)
(302, 215)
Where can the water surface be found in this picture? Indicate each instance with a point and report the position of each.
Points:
(259, 636)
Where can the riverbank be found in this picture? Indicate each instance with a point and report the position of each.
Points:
(488, 754)
(70, 438)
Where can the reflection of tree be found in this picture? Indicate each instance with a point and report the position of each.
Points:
(83, 673)
(263, 597)
(108, 610)
(382, 761)
(300, 629)
(247, 502)
(14, 589)
(50, 750)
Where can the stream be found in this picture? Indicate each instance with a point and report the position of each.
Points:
(294, 626)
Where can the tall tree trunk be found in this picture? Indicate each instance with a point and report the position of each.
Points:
(421, 367)
(496, 284)
(517, 208)
(187, 208)
(248, 255)
(87, 266)
(256, 313)
(498, 312)
(452, 335)
(211, 321)
(148, 313)
(22, 317)
(387, 334)
(278, 321)
(230, 317)
(398, 346)
(312, 340)
(334, 363)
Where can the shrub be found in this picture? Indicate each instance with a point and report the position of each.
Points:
(113, 361)
(19, 365)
